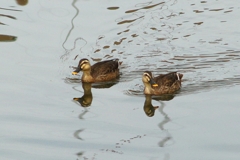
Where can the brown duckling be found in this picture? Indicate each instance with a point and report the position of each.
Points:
(99, 72)
(162, 84)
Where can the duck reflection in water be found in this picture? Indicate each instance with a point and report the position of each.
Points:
(148, 108)
(164, 85)
(86, 99)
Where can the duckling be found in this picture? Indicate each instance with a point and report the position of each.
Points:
(99, 72)
(162, 84)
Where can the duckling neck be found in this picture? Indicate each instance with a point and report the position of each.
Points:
(87, 77)
(148, 89)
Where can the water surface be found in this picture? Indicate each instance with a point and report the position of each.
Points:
(41, 40)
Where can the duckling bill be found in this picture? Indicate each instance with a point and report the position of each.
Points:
(162, 84)
(99, 72)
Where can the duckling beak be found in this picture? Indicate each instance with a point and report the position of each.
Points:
(153, 83)
(76, 71)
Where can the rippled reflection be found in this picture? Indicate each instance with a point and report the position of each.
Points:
(104, 84)
(22, 2)
(168, 136)
(152, 35)
(149, 109)
(86, 99)
(8, 15)
(198, 38)
(7, 38)
(77, 134)
(93, 85)
(147, 5)
(113, 8)
(156, 38)
(65, 56)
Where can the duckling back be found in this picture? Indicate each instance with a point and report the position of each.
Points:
(168, 83)
(105, 70)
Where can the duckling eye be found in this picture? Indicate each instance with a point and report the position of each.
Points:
(82, 65)
(147, 75)
(148, 79)
(83, 62)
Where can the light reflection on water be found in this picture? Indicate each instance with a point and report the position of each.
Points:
(151, 44)
(148, 38)
(196, 38)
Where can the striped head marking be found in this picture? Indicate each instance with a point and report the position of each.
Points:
(81, 65)
(147, 75)
(83, 62)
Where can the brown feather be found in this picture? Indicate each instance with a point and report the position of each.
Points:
(102, 71)
(104, 68)
(167, 83)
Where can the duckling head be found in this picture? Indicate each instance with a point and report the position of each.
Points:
(83, 65)
(147, 79)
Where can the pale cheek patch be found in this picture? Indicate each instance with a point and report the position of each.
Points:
(147, 78)
(83, 62)
(82, 66)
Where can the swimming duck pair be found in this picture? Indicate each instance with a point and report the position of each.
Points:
(109, 70)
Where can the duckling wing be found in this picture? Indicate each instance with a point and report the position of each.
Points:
(105, 67)
(168, 79)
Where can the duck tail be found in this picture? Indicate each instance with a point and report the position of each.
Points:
(118, 62)
(179, 76)
(115, 59)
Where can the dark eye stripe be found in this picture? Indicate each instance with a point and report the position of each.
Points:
(83, 62)
(147, 75)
